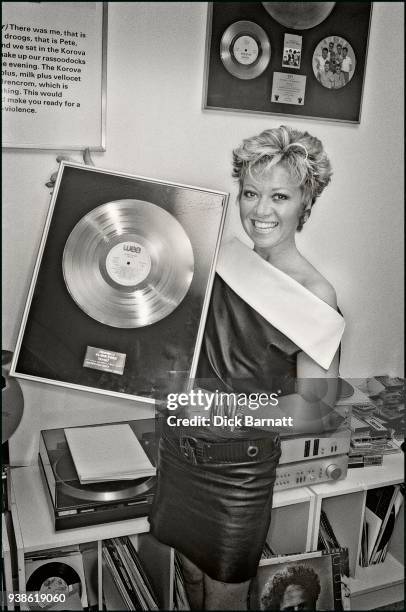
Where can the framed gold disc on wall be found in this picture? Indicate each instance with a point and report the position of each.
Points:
(265, 57)
(118, 299)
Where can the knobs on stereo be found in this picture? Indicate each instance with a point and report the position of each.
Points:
(333, 471)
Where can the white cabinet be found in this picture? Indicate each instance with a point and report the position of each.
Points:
(344, 504)
(294, 528)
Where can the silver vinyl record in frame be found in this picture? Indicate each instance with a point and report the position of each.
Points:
(121, 286)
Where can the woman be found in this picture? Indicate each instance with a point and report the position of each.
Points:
(214, 495)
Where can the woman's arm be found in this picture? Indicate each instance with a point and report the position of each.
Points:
(312, 406)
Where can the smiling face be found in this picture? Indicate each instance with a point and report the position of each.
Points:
(270, 206)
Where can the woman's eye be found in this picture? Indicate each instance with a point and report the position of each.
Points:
(280, 196)
(249, 194)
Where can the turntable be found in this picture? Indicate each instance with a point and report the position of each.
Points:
(76, 505)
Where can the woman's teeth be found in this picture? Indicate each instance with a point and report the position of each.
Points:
(264, 227)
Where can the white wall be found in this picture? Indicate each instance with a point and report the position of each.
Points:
(155, 127)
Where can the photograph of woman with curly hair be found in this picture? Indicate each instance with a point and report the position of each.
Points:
(295, 584)
(296, 588)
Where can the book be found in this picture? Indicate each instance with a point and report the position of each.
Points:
(107, 452)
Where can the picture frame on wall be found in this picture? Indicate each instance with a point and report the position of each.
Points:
(121, 286)
(306, 60)
(54, 75)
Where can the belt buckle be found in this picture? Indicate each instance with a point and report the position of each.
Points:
(189, 448)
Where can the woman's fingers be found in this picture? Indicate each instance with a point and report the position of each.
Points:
(60, 158)
(87, 157)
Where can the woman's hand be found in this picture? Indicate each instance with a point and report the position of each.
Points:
(86, 159)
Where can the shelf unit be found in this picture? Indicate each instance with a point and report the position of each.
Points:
(344, 504)
(294, 528)
(34, 531)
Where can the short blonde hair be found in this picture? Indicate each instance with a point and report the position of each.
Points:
(302, 154)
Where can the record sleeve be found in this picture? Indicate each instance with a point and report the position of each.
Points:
(121, 286)
(305, 581)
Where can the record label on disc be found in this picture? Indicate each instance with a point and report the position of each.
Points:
(54, 577)
(128, 263)
(246, 50)
(54, 585)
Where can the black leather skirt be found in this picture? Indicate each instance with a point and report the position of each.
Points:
(216, 512)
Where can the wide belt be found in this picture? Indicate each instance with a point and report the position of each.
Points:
(197, 450)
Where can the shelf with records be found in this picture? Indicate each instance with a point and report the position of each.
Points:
(348, 508)
(36, 539)
(36, 535)
(295, 528)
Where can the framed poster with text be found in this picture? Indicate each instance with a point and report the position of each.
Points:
(304, 59)
(54, 75)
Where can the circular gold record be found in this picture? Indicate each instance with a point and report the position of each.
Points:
(128, 263)
(245, 49)
(299, 15)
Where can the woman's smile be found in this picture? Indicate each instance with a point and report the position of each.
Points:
(264, 227)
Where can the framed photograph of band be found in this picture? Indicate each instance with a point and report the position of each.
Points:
(54, 69)
(306, 581)
(303, 59)
(121, 286)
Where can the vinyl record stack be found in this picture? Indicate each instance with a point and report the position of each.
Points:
(267, 552)
(181, 601)
(391, 404)
(327, 541)
(382, 508)
(370, 439)
(327, 538)
(126, 585)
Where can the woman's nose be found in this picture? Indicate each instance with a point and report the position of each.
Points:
(264, 206)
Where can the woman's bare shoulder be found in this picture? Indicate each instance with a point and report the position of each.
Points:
(317, 283)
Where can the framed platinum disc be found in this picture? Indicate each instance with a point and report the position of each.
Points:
(128, 263)
(245, 49)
